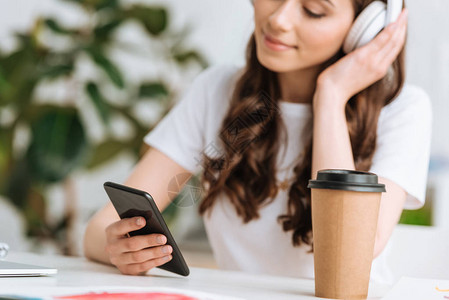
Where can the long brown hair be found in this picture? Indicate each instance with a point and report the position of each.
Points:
(246, 170)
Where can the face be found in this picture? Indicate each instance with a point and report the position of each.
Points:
(300, 34)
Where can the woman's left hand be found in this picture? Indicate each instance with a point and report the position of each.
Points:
(365, 65)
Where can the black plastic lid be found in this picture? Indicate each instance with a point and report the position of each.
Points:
(347, 180)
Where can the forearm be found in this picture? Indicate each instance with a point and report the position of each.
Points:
(94, 244)
(391, 205)
(331, 141)
(95, 237)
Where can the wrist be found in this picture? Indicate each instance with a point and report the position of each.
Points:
(328, 97)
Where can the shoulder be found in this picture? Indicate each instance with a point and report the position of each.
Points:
(216, 85)
(403, 143)
(210, 87)
(412, 105)
(218, 76)
(411, 99)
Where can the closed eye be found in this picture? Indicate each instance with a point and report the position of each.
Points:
(313, 15)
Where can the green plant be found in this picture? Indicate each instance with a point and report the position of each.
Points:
(41, 142)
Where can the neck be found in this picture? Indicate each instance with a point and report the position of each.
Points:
(298, 86)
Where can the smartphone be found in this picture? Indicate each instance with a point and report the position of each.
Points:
(129, 203)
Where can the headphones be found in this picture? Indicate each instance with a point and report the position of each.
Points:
(375, 17)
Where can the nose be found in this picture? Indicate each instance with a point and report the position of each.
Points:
(283, 17)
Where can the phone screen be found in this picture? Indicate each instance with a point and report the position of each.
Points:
(130, 202)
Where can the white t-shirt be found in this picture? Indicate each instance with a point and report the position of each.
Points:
(261, 246)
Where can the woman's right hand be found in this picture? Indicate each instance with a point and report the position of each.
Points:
(137, 254)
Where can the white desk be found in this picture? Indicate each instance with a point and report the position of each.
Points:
(77, 271)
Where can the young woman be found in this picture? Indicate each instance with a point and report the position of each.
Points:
(259, 133)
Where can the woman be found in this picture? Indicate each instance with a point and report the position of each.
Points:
(259, 133)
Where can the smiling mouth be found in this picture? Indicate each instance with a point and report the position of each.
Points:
(275, 44)
(275, 41)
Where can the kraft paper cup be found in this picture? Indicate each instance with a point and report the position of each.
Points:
(345, 208)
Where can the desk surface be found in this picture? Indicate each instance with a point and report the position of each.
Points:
(79, 272)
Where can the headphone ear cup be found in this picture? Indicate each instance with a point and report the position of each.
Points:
(367, 25)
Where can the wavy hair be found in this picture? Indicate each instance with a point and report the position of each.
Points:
(250, 137)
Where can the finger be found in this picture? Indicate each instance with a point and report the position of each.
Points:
(140, 268)
(392, 48)
(390, 53)
(136, 243)
(145, 255)
(398, 37)
(384, 37)
(123, 227)
(382, 59)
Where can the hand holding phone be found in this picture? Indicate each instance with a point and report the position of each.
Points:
(141, 240)
(134, 255)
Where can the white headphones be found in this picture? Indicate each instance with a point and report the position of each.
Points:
(370, 22)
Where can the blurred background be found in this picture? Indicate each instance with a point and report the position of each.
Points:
(82, 81)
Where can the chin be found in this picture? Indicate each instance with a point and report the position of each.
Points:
(280, 63)
(276, 64)
(287, 64)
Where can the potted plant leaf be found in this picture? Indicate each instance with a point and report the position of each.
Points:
(43, 142)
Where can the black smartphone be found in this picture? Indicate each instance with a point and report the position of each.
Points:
(129, 203)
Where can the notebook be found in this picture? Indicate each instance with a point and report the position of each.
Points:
(13, 269)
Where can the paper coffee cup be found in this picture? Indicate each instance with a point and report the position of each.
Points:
(345, 208)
